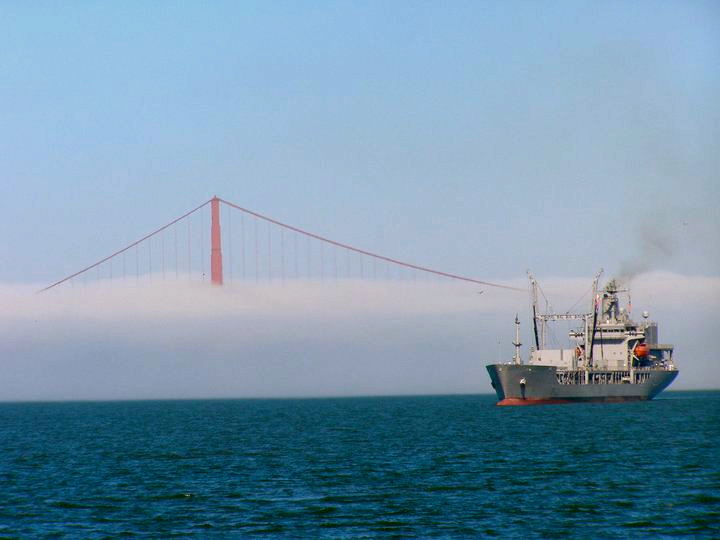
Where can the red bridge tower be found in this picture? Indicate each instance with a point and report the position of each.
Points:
(216, 270)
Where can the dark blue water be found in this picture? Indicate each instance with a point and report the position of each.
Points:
(442, 467)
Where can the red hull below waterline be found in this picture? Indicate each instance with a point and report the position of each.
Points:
(512, 402)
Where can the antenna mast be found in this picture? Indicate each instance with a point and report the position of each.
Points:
(517, 343)
(590, 339)
(534, 299)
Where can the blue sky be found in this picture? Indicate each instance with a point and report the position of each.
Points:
(478, 138)
(482, 138)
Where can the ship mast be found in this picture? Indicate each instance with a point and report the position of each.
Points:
(517, 359)
(534, 299)
(590, 336)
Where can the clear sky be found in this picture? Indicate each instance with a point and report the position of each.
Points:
(480, 138)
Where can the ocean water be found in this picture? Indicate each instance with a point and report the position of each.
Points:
(394, 467)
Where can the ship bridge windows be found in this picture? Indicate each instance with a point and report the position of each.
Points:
(611, 330)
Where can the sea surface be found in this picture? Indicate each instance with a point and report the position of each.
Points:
(380, 467)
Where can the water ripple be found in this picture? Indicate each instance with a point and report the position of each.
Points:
(425, 467)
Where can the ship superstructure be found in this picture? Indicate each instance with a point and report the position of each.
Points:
(612, 357)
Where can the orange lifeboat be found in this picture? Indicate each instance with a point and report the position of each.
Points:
(641, 350)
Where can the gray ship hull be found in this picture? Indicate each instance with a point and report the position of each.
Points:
(521, 384)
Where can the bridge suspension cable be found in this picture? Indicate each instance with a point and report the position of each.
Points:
(256, 254)
(126, 248)
(368, 253)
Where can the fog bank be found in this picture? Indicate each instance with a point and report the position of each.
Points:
(115, 340)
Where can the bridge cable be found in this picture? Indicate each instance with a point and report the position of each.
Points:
(123, 250)
(368, 253)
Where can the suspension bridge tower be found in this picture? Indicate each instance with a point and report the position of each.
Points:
(216, 269)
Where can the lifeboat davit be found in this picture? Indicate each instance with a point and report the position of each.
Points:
(641, 350)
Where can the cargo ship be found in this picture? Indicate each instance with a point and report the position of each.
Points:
(612, 358)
